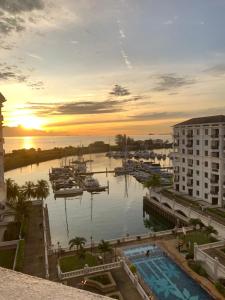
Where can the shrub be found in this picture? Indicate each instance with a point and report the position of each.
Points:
(220, 287)
(133, 269)
(197, 267)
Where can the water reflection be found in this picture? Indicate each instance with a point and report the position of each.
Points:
(28, 142)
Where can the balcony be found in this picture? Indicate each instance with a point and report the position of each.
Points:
(214, 181)
(190, 152)
(189, 145)
(176, 178)
(215, 154)
(189, 135)
(190, 183)
(215, 146)
(189, 174)
(214, 192)
(215, 134)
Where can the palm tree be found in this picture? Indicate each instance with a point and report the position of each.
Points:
(153, 182)
(21, 207)
(12, 189)
(78, 241)
(42, 189)
(104, 246)
(29, 189)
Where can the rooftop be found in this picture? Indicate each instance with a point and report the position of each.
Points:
(203, 120)
(15, 285)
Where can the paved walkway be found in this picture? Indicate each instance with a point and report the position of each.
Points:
(34, 260)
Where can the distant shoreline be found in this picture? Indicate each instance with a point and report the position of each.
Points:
(25, 157)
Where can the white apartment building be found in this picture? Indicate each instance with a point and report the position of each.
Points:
(199, 158)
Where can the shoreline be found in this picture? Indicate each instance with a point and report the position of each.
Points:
(26, 157)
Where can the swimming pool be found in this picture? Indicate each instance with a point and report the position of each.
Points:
(163, 276)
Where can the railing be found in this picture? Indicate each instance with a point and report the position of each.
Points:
(212, 245)
(136, 283)
(88, 270)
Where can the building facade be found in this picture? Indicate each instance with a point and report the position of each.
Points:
(2, 180)
(199, 158)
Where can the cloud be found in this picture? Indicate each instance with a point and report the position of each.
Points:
(217, 70)
(35, 56)
(118, 90)
(171, 81)
(19, 6)
(11, 23)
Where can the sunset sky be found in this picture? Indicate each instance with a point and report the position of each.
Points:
(61, 59)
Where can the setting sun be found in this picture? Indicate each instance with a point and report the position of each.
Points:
(30, 122)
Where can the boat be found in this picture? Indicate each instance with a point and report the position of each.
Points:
(66, 192)
(92, 185)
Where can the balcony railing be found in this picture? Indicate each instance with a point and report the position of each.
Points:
(190, 184)
(189, 174)
(214, 192)
(215, 147)
(215, 135)
(190, 152)
(215, 154)
(189, 135)
(214, 181)
(189, 145)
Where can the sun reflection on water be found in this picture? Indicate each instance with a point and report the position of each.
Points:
(28, 142)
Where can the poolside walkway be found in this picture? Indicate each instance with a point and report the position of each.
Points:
(170, 247)
(34, 260)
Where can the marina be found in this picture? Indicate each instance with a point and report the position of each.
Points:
(109, 214)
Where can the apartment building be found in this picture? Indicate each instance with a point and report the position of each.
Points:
(199, 158)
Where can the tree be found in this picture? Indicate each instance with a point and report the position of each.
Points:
(21, 207)
(209, 230)
(12, 189)
(42, 189)
(78, 241)
(195, 222)
(104, 246)
(29, 189)
(153, 182)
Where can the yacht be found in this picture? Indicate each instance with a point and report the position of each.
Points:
(92, 185)
(66, 192)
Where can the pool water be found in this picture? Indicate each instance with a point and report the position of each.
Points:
(163, 276)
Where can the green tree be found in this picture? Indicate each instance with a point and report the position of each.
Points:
(78, 241)
(104, 246)
(42, 189)
(12, 190)
(21, 207)
(209, 230)
(153, 182)
(29, 190)
(195, 222)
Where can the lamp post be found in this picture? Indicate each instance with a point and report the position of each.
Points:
(91, 243)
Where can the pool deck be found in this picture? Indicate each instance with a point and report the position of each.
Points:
(170, 248)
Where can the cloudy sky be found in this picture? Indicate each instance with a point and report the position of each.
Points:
(109, 66)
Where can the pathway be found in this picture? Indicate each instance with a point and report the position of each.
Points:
(34, 260)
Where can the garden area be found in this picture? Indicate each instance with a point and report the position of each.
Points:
(74, 262)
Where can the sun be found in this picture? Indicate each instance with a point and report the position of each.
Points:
(30, 122)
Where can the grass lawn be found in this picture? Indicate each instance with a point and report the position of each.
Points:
(199, 237)
(103, 279)
(7, 258)
(70, 263)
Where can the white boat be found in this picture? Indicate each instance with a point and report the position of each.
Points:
(92, 185)
(66, 192)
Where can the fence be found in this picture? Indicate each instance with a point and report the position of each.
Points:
(134, 279)
(87, 270)
(212, 265)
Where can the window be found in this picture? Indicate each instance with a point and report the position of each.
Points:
(197, 152)
(183, 169)
(206, 164)
(183, 187)
(197, 162)
(197, 142)
(197, 172)
(206, 185)
(183, 142)
(206, 153)
(197, 182)
(206, 131)
(183, 131)
(206, 142)
(183, 178)
(206, 175)
(206, 196)
(183, 160)
(183, 151)
(197, 193)
(197, 131)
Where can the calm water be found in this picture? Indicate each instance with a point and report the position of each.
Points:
(102, 216)
(49, 142)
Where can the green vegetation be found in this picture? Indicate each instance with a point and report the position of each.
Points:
(104, 246)
(195, 222)
(220, 286)
(78, 241)
(103, 279)
(70, 263)
(7, 258)
(199, 237)
(197, 267)
(133, 269)
(153, 182)
(20, 256)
